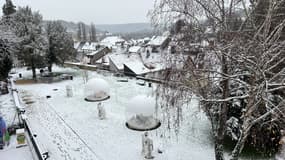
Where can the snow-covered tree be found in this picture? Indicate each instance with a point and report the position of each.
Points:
(5, 60)
(34, 43)
(241, 69)
(92, 33)
(8, 8)
(60, 44)
(8, 41)
(81, 32)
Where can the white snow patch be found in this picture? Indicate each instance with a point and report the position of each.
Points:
(111, 41)
(134, 49)
(157, 41)
(141, 105)
(96, 86)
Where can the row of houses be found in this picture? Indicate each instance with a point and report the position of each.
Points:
(143, 57)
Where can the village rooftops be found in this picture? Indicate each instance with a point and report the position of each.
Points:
(76, 45)
(120, 58)
(79, 45)
(97, 51)
(134, 62)
(157, 41)
(134, 49)
(112, 41)
(91, 46)
(140, 69)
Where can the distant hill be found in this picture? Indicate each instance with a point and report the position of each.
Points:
(125, 28)
(112, 28)
(71, 26)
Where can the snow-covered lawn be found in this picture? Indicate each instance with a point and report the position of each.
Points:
(70, 129)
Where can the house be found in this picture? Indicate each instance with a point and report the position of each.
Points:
(97, 55)
(113, 42)
(134, 49)
(78, 46)
(113, 67)
(89, 47)
(132, 64)
(135, 68)
(157, 44)
(117, 60)
(138, 68)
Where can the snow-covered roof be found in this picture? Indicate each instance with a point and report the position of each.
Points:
(154, 60)
(95, 52)
(92, 53)
(137, 67)
(76, 45)
(137, 63)
(108, 130)
(111, 41)
(134, 49)
(146, 39)
(90, 46)
(79, 45)
(157, 41)
(120, 58)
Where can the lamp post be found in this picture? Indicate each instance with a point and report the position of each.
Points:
(97, 90)
(141, 117)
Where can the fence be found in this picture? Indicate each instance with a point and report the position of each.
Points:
(41, 153)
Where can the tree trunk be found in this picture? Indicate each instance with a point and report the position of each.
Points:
(222, 118)
(34, 72)
(239, 146)
(50, 68)
(219, 155)
(245, 127)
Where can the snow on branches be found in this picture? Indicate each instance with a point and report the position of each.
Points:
(235, 74)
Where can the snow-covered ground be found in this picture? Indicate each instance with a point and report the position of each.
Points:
(70, 129)
(12, 153)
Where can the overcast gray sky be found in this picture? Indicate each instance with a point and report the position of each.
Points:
(97, 11)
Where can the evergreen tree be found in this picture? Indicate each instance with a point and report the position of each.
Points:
(60, 44)
(8, 8)
(34, 44)
(79, 31)
(92, 34)
(5, 60)
(8, 40)
(84, 34)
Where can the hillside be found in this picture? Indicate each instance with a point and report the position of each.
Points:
(112, 28)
